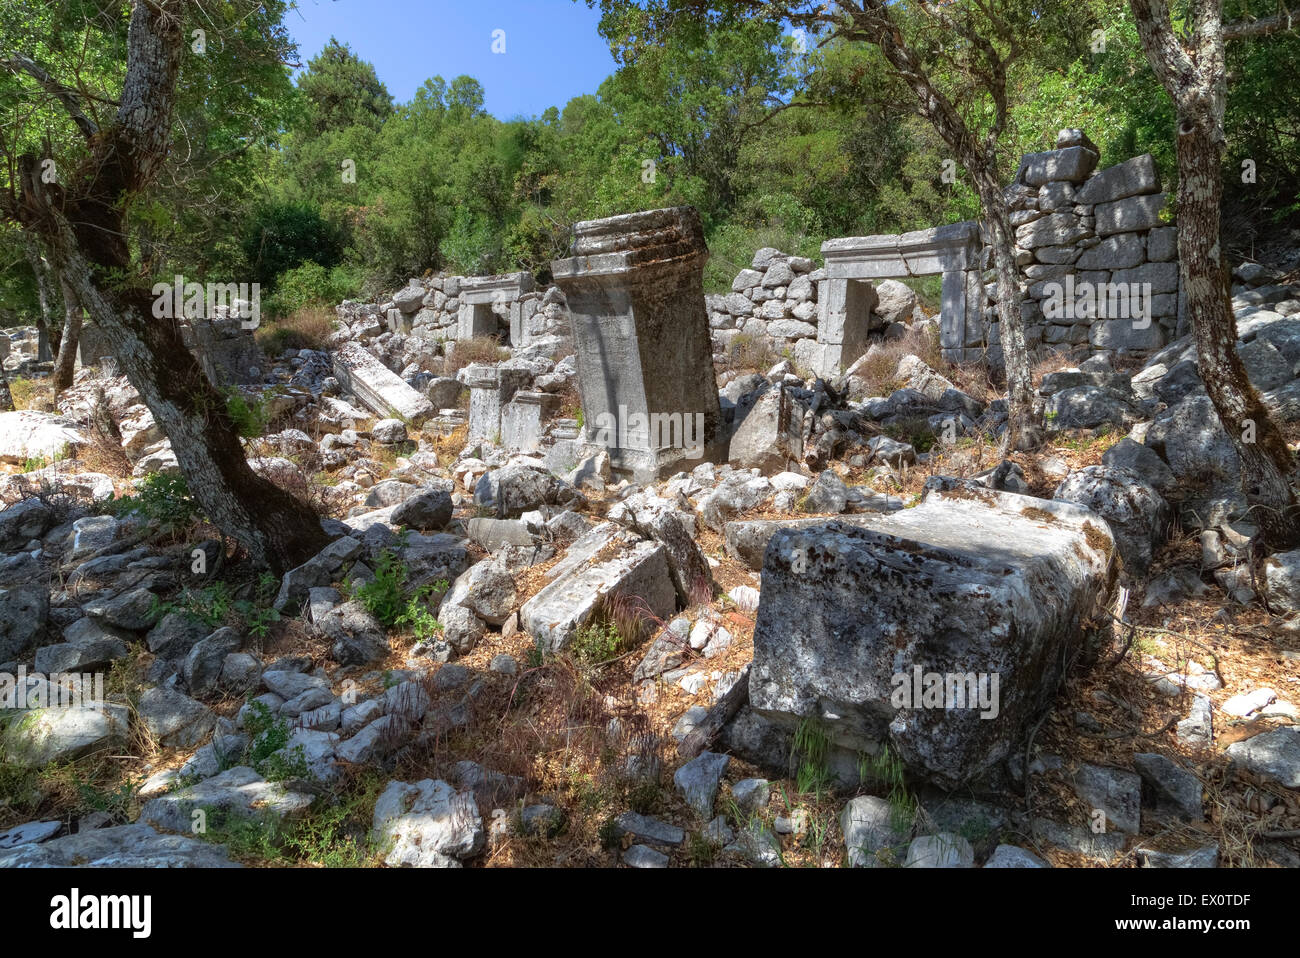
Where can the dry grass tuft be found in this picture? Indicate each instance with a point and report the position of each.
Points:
(306, 328)
(467, 352)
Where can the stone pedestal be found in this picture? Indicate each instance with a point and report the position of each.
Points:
(490, 389)
(634, 287)
(227, 352)
(523, 420)
(43, 352)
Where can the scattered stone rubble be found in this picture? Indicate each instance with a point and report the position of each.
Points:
(857, 585)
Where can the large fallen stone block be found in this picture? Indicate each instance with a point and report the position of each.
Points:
(770, 436)
(940, 631)
(378, 388)
(604, 562)
(747, 540)
(28, 434)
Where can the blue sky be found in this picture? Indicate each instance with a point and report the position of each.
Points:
(552, 50)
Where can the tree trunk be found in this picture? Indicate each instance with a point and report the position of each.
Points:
(1191, 67)
(1266, 462)
(1024, 433)
(978, 156)
(84, 232)
(68, 342)
(278, 529)
(45, 325)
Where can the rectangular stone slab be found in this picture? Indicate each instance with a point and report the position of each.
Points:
(969, 582)
(604, 561)
(378, 388)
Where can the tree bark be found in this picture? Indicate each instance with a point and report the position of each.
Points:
(978, 156)
(1024, 429)
(68, 342)
(85, 235)
(1194, 75)
(45, 325)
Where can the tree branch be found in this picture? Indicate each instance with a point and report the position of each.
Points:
(71, 100)
(1245, 29)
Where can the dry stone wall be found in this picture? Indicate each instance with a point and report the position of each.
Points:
(1097, 250)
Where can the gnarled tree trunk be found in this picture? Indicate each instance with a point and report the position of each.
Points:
(1194, 75)
(68, 342)
(84, 232)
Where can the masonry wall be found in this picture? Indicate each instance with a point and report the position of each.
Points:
(1095, 249)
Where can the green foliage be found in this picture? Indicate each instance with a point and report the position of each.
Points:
(884, 769)
(598, 641)
(388, 598)
(417, 617)
(215, 606)
(280, 237)
(384, 596)
(161, 498)
(266, 734)
(250, 419)
(311, 284)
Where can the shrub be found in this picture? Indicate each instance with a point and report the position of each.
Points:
(752, 352)
(250, 418)
(310, 285)
(161, 498)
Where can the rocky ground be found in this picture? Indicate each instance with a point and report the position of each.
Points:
(499, 659)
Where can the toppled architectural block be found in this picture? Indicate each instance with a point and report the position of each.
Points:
(604, 562)
(634, 287)
(940, 631)
(27, 434)
(378, 388)
(770, 436)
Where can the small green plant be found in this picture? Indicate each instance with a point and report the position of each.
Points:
(609, 833)
(812, 748)
(267, 738)
(417, 617)
(33, 463)
(385, 596)
(886, 769)
(250, 419)
(536, 656)
(282, 767)
(161, 498)
(215, 606)
(701, 850)
(596, 642)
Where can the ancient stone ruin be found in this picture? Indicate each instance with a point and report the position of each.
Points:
(729, 556)
(636, 302)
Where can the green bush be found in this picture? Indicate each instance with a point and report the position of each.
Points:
(161, 498)
(250, 418)
(310, 285)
